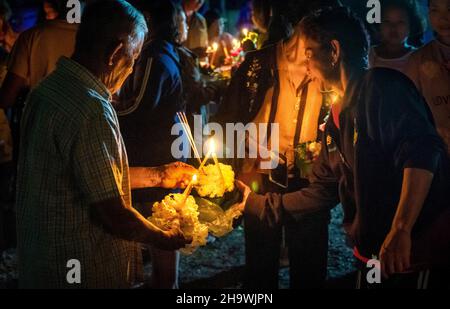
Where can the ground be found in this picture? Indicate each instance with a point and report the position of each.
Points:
(220, 264)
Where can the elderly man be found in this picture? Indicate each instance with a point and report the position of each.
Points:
(73, 200)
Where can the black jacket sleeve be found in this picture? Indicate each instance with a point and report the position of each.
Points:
(322, 193)
(401, 122)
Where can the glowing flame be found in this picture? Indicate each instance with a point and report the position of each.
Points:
(245, 32)
(212, 145)
(215, 46)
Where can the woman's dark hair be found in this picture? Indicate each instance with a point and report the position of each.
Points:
(339, 24)
(162, 19)
(295, 10)
(416, 24)
(288, 13)
(105, 24)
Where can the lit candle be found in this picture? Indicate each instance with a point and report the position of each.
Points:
(245, 32)
(189, 188)
(216, 161)
(215, 47)
(211, 149)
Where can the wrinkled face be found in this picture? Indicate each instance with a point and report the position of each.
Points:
(440, 18)
(193, 5)
(319, 62)
(123, 65)
(183, 27)
(394, 27)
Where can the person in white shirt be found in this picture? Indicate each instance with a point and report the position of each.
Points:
(400, 33)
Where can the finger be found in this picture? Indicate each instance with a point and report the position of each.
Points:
(241, 186)
(383, 268)
(390, 266)
(188, 169)
(383, 258)
(406, 260)
(398, 264)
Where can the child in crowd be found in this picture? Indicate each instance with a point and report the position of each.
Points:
(400, 34)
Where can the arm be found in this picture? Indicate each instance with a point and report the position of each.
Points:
(322, 193)
(126, 223)
(170, 176)
(396, 250)
(97, 160)
(403, 127)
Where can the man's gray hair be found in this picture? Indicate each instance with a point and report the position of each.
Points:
(107, 23)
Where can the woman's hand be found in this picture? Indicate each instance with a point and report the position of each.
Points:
(395, 254)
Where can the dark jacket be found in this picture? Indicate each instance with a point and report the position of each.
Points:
(385, 127)
(148, 103)
(249, 85)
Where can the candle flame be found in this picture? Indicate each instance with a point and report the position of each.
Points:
(215, 46)
(194, 178)
(212, 145)
(245, 31)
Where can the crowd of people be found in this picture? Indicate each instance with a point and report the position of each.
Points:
(86, 118)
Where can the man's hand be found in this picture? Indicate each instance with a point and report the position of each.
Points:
(172, 239)
(176, 175)
(395, 253)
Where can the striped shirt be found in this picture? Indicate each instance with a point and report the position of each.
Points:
(72, 156)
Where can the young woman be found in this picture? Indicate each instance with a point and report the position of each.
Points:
(400, 34)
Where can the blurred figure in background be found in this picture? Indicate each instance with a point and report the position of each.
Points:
(261, 14)
(197, 39)
(198, 89)
(400, 33)
(429, 67)
(217, 34)
(7, 34)
(35, 54)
